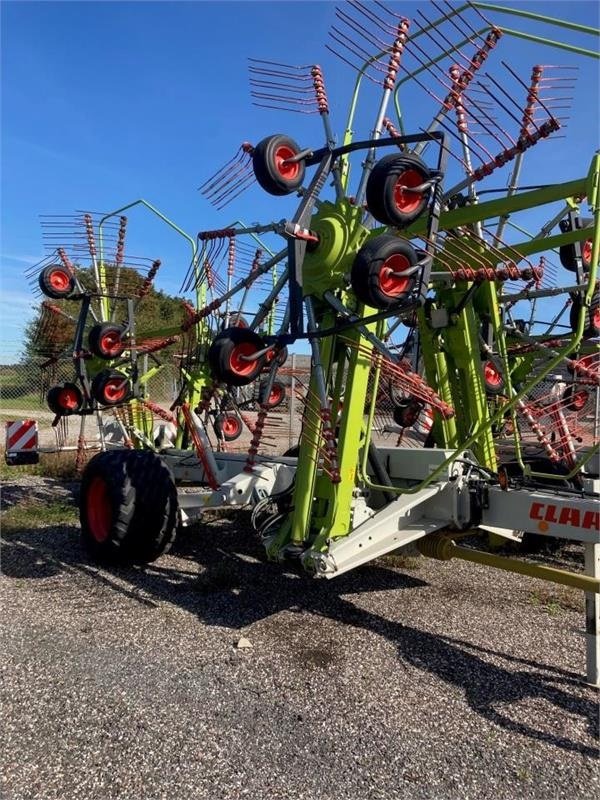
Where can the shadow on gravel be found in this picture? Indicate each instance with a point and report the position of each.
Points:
(237, 587)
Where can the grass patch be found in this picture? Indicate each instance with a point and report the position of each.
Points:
(523, 774)
(37, 515)
(400, 561)
(51, 465)
(555, 599)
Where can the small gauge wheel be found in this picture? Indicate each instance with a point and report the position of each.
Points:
(382, 273)
(56, 282)
(233, 356)
(272, 168)
(391, 190)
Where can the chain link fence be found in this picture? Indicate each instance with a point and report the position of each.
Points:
(24, 385)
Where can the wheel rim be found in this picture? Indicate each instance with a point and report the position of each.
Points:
(115, 390)
(409, 417)
(586, 251)
(390, 284)
(596, 319)
(110, 343)
(275, 395)
(492, 377)
(237, 360)
(99, 509)
(69, 398)
(406, 201)
(230, 426)
(579, 399)
(59, 280)
(287, 171)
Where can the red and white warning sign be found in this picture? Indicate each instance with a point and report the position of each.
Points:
(22, 442)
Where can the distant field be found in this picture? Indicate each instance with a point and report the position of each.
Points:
(20, 387)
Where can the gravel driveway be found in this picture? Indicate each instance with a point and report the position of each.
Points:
(424, 680)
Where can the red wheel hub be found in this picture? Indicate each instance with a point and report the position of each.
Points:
(586, 252)
(275, 395)
(99, 509)
(231, 426)
(69, 399)
(596, 319)
(111, 343)
(405, 200)
(238, 362)
(59, 280)
(391, 284)
(579, 400)
(491, 375)
(287, 171)
(115, 390)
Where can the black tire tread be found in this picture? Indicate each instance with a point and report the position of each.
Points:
(96, 333)
(589, 331)
(220, 351)
(266, 177)
(144, 499)
(379, 185)
(365, 269)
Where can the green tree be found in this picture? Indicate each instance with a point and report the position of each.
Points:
(51, 332)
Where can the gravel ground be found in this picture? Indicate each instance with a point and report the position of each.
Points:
(424, 680)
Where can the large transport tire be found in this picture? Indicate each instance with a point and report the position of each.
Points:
(388, 195)
(56, 282)
(591, 327)
(106, 340)
(227, 356)
(127, 506)
(271, 172)
(375, 271)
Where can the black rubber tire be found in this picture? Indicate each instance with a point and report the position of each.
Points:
(65, 399)
(397, 395)
(575, 397)
(105, 340)
(282, 356)
(127, 507)
(591, 327)
(266, 160)
(56, 282)
(222, 426)
(226, 345)
(381, 186)
(111, 388)
(569, 260)
(277, 395)
(492, 386)
(407, 413)
(367, 269)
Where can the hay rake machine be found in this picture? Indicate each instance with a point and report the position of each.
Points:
(427, 309)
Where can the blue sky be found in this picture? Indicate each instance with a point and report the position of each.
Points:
(103, 103)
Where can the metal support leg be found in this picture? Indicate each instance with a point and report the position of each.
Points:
(592, 616)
